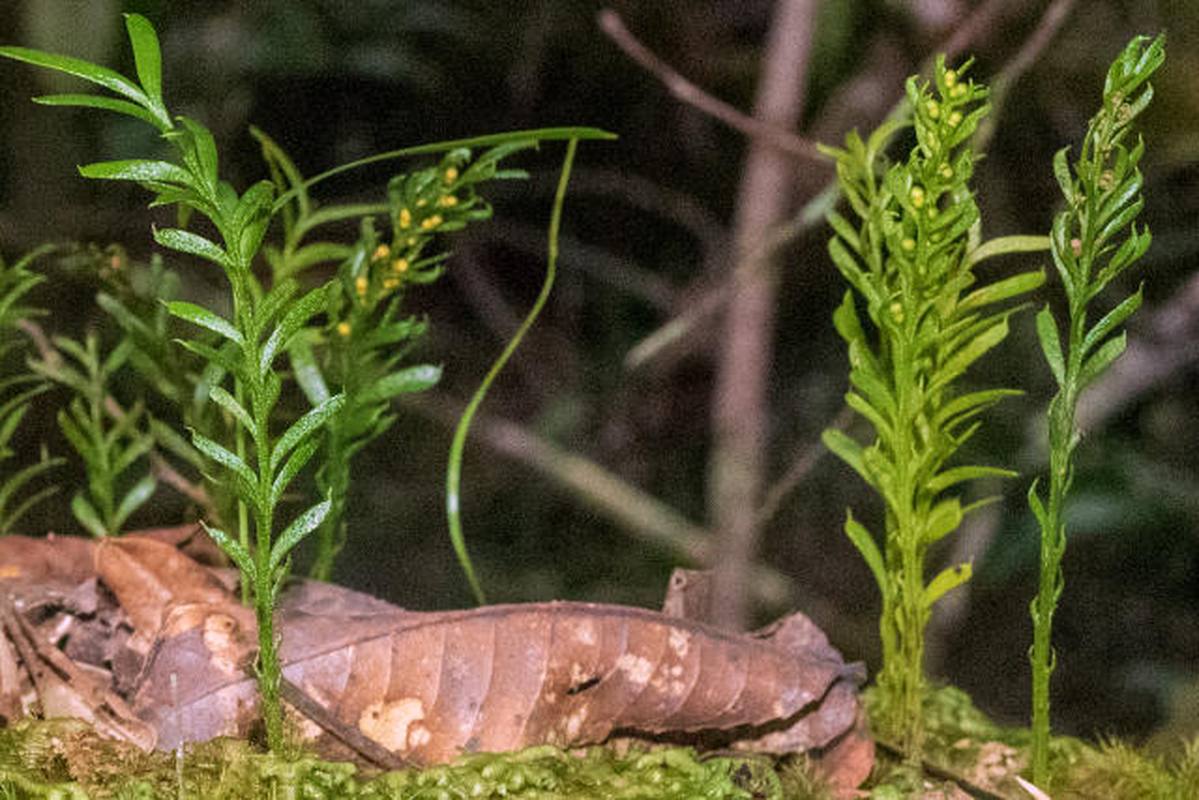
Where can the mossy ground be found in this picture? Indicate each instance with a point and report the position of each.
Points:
(963, 743)
(66, 759)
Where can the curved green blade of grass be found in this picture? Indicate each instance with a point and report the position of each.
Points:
(453, 478)
(573, 134)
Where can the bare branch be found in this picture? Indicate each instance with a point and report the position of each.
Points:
(740, 406)
(802, 465)
(687, 92)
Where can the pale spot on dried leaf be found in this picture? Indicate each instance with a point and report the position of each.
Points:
(388, 723)
(220, 637)
(637, 668)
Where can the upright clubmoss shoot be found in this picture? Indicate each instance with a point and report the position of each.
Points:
(909, 257)
(1094, 240)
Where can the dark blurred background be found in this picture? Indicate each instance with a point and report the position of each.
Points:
(586, 469)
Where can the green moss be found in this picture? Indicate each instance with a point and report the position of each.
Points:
(66, 759)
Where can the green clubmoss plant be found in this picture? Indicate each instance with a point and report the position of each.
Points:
(264, 457)
(109, 445)
(133, 297)
(1094, 240)
(910, 258)
(16, 392)
(364, 340)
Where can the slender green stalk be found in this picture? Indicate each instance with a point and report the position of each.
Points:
(453, 476)
(1093, 241)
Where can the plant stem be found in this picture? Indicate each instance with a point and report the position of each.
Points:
(905, 683)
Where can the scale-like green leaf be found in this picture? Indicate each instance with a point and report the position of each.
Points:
(1061, 171)
(109, 79)
(1001, 290)
(300, 527)
(849, 451)
(864, 542)
(138, 169)
(847, 263)
(251, 218)
(296, 317)
(226, 459)
(97, 101)
(304, 427)
(134, 499)
(1103, 357)
(1119, 221)
(227, 358)
(954, 475)
(138, 447)
(315, 253)
(949, 578)
(406, 381)
(299, 457)
(227, 401)
(307, 371)
(1111, 320)
(1061, 251)
(274, 302)
(970, 403)
(233, 548)
(147, 56)
(14, 483)
(74, 434)
(844, 230)
(1051, 345)
(883, 426)
(193, 244)
(86, 515)
(198, 148)
(198, 315)
(943, 519)
(877, 393)
(1132, 248)
(1034, 503)
(969, 353)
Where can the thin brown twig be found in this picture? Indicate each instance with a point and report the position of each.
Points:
(801, 466)
(1050, 23)
(690, 94)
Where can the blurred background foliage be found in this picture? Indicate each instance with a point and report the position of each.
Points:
(647, 235)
